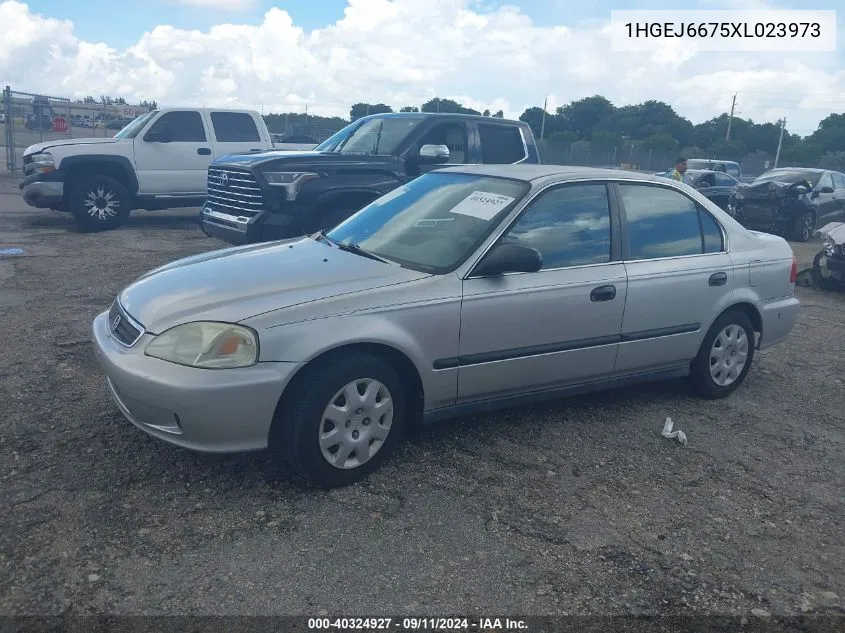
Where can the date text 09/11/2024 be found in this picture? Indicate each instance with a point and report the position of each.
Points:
(417, 624)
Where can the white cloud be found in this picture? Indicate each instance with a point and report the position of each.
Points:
(226, 5)
(404, 52)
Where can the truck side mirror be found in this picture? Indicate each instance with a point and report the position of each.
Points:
(433, 154)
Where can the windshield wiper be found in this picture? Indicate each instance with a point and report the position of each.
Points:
(354, 248)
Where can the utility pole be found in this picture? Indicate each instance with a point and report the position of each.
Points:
(543, 124)
(730, 119)
(780, 139)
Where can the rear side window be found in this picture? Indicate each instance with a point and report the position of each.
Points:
(500, 144)
(723, 180)
(183, 126)
(665, 223)
(234, 127)
(838, 181)
(711, 233)
(733, 170)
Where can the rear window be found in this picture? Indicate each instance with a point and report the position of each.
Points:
(234, 127)
(501, 144)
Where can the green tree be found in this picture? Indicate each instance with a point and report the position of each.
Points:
(662, 141)
(729, 150)
(534, 118)
(606, 138)
(446, 105)
(583, 115)
(499, 115)
(409, 109)
(486, 113)
(563, 136)
(359, 110)
(833, 160)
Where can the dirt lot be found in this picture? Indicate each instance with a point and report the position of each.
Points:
(579, 507)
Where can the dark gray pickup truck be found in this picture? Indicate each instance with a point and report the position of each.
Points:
(275, 195)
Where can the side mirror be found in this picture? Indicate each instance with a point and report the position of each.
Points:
(826, 190)
(433, 154)
(509, 258)
(158, 136)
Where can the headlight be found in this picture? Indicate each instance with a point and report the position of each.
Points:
(42, 163)
(828, 246)
(206, 344)
(291, 181)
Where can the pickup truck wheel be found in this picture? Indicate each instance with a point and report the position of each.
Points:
(99, 203)
(725, 356)
(802, 228)
(344, 421)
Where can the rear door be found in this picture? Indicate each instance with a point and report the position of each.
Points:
(678, 274)
(235, 133)
(173, 155)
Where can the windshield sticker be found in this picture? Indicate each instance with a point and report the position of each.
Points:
(483, 205)
(390, 195)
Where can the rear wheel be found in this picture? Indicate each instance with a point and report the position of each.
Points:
(802, 228)
(343, 422)
(99, 203)
(725, 356)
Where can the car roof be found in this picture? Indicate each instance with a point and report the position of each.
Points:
(562, 173)
(813, 170)
(713, 160)
(428, 115)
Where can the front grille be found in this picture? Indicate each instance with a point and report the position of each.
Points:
(123, 327)
(234, 192)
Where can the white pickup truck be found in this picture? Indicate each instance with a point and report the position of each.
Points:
(159, 161)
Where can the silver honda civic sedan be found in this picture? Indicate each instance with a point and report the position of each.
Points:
(466, 289)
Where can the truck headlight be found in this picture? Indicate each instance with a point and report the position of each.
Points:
(291, 181)
(42, 162)
(828, 246)
(207, 345)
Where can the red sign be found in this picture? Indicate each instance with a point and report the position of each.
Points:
(60, 124)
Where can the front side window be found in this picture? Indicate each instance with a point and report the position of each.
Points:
(433, 223)
(453, 136)
(826, 181)
(723, 180)
(181, 126)
(569, 225)
(838, 181)
(664, 223)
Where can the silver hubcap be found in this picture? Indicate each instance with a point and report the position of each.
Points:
(101, 203)
(356, 423)
(728, 355)
(809, 222)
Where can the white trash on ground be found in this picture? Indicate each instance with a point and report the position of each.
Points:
(669, 434)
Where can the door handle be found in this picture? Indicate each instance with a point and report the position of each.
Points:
(256, 149)
(718, 279)
(203, 151)
(603, 293)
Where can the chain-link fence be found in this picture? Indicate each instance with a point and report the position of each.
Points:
(27, 119)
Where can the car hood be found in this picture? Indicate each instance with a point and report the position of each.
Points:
(771, 191)
(40, 147)
(234, 284)
(295, 158)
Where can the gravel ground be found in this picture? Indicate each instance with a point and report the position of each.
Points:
(578, 507)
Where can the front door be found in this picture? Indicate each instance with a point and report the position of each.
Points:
(678, 275)
(532, 331)
(172, 157)
(827, 201)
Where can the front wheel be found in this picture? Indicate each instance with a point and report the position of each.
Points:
(343, 423)
(802, 228)
(725, 356)
(99, 203)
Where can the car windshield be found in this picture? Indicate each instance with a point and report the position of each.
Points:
(789, 176)
(433, 223)
(381, 135)
(136, 125)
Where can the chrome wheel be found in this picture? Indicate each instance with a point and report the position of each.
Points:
(728, 355)
(807, 226)
(101, 203)
(356, 423)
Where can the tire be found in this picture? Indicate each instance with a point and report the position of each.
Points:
(719, 384)
(99, 203)
(802, 227)
(295, 436)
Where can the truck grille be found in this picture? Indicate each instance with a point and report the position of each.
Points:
(234, 192)
(123, 327)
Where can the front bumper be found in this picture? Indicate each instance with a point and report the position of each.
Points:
(43, 191)
(266, 226)
(215, 411)
(778, 318)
